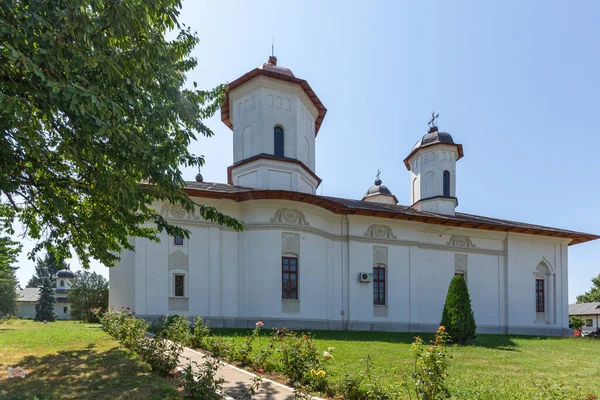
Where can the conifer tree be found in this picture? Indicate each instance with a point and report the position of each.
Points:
(458, 318)
(46, 268)
(44, 310)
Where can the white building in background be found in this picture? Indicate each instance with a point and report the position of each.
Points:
(316, 262)
(28, 298)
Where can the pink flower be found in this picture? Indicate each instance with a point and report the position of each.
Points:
(259, 324)
(260, 371)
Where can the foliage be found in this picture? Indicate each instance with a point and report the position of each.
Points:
(9, 250)
(244, 352)
(593, 296)
(576, 323)
(350, 387)
(130, 331)
(162, 354)
(44, 309)
(46, 267)
(203, 384)
(92, 102)
(89, 290)
(200, 333)
(298, 356)
(430, 367)
(177, 329)
(375, 390)
(458, 316)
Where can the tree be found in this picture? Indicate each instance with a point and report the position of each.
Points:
(46, 268)
(44, 309)
(576, 323)
(88, 290)
(8, 281)
(457, 317)
(96, 122)
(593, 296)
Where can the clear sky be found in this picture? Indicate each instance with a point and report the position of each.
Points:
(516, 82)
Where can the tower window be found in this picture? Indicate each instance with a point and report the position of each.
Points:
(178, 241)
(446, 184)
(278, 141)
(62, 283)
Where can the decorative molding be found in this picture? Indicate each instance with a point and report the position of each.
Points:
(290, 243)
(178, 260)
(460, 262)
(380, 232)
(289, 216)
(177, 212)
(380, 255)
(380, 311)
(179, 304)
(460, 241)
(290, 306)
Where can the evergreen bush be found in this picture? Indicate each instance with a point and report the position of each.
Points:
(458, 318)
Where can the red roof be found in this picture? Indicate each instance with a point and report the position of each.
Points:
(282, 74)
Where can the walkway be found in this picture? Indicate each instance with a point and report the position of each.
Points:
(237, 379)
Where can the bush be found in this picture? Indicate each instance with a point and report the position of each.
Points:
(458, 316)
(298, 356)
(244, 353)
(576, 323)
(350, 387)
(177, 329)
(124, 327)
(429, 377)
(201, 333)
(203, 384)
(161, 354)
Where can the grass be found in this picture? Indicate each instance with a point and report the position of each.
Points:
(493, 367)
(72, 360)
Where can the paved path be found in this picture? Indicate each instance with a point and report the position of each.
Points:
(236, 380)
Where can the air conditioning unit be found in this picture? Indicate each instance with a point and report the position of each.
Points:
(365, 277)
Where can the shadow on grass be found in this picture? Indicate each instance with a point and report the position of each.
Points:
(85, 374)
(497, 342)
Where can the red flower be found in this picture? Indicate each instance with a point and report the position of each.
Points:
(260, 371)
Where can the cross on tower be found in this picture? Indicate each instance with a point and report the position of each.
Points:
(433, 119)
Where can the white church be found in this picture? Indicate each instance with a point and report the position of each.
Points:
(323, 263)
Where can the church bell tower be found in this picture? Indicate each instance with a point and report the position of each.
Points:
(275, 118)
(432, 166)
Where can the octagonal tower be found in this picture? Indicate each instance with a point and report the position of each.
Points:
(275, 118)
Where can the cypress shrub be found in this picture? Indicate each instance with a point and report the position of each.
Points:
(458, 318)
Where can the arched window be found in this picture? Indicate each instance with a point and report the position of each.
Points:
(446, 184)
(62, 283)
(278, 138)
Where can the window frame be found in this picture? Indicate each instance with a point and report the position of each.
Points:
(295, 279)
(175, 277)
(446, 183)
(381, 298)
(278, 139)
(540, 293)
(177, 239)
(62, 283)
(64, 309)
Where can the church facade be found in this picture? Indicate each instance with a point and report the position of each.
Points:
(316, 262)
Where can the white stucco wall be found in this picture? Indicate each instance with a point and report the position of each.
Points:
(25, 309)
(234, 278)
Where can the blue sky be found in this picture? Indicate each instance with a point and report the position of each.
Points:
(515, 82)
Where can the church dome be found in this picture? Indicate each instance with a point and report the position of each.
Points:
(65, 273)
(380, 194)
(433, 137)
(378, 189)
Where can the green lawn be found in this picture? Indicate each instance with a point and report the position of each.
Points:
(494, 367)
(71, 360)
